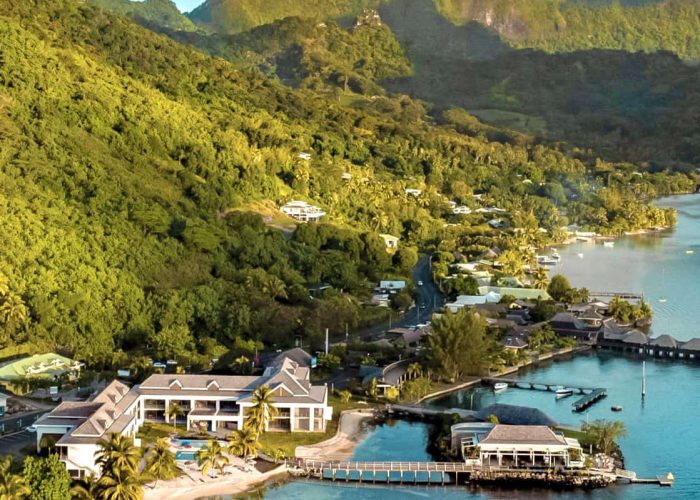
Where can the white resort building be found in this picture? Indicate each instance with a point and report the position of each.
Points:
(303, 211)
(211, 402)
(515, 446)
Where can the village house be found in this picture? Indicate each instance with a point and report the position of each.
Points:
(390, 286)
(210, 403)
(303, 211)
(413, 192)
(391, 242)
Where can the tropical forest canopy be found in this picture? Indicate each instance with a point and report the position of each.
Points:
(140, 181)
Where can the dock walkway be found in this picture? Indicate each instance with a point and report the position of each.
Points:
(590, 395)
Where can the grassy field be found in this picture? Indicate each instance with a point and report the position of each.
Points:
(520, 122)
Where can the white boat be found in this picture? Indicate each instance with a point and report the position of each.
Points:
(563, 392)
(500, 386)
(609, 244)
(663, 300)
(546, 260)
(690, 252)
(579, 255)
(583, 238)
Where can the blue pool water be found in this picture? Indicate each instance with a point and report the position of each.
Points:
(186, 455)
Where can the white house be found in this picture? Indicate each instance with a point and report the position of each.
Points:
(473, 300)
(305, 156)
(209, 402)
(391, 286)
(303, 211)
(391, 242)
(461, 210)
(413, 192)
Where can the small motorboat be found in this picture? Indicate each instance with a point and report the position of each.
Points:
(500, 387)
(608, 244)
(616, 408)
(663, 300)
(690, 252)
(563, 392)
(546, 260)
(579, 255)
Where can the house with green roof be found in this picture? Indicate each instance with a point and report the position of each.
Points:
(39, 366)
(518, 293)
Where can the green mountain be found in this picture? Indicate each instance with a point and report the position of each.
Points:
(161, 12)
(234, 16)
(567, 25)
(140, 182)
(307, 54)
(550, 25)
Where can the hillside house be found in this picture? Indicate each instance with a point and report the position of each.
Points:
(303, 211)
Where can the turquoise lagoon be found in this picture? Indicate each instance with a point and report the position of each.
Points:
(663, 429)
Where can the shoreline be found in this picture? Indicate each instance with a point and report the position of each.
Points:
(573, 351)
(224, 487)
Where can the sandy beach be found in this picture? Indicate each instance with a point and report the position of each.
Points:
(189, 488)
(341, 446)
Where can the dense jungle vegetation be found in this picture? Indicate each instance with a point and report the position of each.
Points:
(140, 180)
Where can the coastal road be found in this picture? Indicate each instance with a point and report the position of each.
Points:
(428, 299)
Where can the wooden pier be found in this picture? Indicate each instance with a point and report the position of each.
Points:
(537, 386)
(622, 295)
(455, 473)
(590, 395)
(589, 399)
(427, 473)
(631, 477)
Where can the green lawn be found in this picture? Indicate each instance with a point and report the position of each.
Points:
(149, 433)
(271, 441)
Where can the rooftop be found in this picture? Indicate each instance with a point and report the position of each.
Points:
(39, 366)
(523, 434)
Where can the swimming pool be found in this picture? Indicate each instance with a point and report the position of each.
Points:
(186, 455)
(195, 444)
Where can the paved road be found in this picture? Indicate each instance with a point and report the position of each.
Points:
(13, 444)
(428, 299)
(12, 423)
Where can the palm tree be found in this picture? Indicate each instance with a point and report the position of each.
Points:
(174, 411)
(414, 370)
(278, 455)
(540, 278)
(86, 488)
(12, 486)
(119, 484)
(243, 443)
(118, 454)
(4, 285)
(13, 309)
(161, 462)
(604, 433)
(212, 457)
(262, 410)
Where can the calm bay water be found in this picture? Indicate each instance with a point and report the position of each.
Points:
(657, 265)
(663, 435)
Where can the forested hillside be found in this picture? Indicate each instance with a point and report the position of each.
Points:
(161, 12)
(140, 180)
(305, 53)
(550, 25)
(568, 25)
